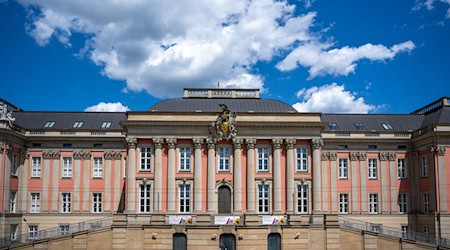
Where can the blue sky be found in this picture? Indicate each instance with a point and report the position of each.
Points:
(327, 56)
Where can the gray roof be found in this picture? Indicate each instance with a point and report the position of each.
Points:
(65, 120)
(441, 116)
(373, 122)
(212, 105)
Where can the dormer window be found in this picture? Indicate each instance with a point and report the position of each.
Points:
(387, 126)
(49, 124)
(78, 124)
(106, 124)
(360, 126)
(332, 126)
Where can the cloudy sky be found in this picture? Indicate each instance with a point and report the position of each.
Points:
(317, 55)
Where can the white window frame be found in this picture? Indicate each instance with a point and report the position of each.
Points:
(184, 158)
(343, 168)
(64, 229)
(33, 232)
(66, 202)
(13, 232)
(36, 163)
(302, 192)
(373, 203)
(343, 203)
(12, 201)
(184, 198)
(403, 203)
(97, 169)
(405, 230)
(263, 192)
(263, 155)
(224, 161)
(14, 164)
(372, 169)
(35, 202)
(425, 202)
(424, 166)
(145, 158)
(402, 171)
(301, 154)
(67, 167)
(145, 198)
(97, 202)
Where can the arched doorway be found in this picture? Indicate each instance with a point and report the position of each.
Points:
(227, 242)
(224, 200)
(274, 241)
(179, 241)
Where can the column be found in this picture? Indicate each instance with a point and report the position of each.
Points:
(276, 143)
(237, 175)
(325, 181)
(23, 181)
(77, 175)
(354, 178)
(87, 167)
(333, 182)
(107, 173)
(115, 185)
(251, 175)
(290, 170)
(441, 174)
(384, 185)
(198, 143)
(363, 181)
(131, 176)
(392, 157)
(45, 176)
(53, 206)
(211, 175)
(171, 191)
(316, 144)
(413, 168)
(157, 197)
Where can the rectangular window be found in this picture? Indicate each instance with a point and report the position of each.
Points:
(372, 147)
(343, 147)
(302, 159)
(372, 168)
(343, 203)
(146, 159)
(263, 159)
(12, 201)
(14, 164)
(36, 167)
(64, 230)
(302, 199)
(373, 203)
(98, 167)
(376, 228)
(144, 198)
(35, 204)
(13, 232)
(33, 232)
(263, 198)
(426, 202)
(185, 159)
(185, 198)
(97, 202)
(424, 167)
(403, 203)
(401, 169)
(405, 231)
(224, 159)
(67, 167)
(343, 169)
(65, 202)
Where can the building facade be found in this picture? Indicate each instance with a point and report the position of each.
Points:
(225, 157)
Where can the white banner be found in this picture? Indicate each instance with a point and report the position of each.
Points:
(227, 220)
(180, 219)
(273, 220)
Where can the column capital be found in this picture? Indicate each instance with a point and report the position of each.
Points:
(316, 143)
(158, 142)
(290, 143)
(108, 155)
(362, 156)
(276, 142)
(438, 150)
(354, 156)
(198, 142)
(332, 155)
(117, 155)
(324, 156)
(383, 156)
(47, 154)
(211, 143)
(250, 143)
(171, 142)
(131, 142)
(237, 143)
(392, 156)
(25, 153)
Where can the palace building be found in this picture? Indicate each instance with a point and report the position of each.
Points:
(224, 169)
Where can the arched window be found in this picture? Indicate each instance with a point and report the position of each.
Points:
(224, 200)
(274, 241)
(227, 242)
(179, 241)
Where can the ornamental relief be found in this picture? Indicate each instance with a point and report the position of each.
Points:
(224, 127)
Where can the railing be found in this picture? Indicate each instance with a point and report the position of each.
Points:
(390, 231)
(56, 232)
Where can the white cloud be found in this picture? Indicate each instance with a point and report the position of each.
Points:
(429, 5)
(331, 98)
(321, 59)
(107, 107)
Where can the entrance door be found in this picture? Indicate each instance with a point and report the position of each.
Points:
(227, 242)
(179, 241)
(224, 200)
(274, 241)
